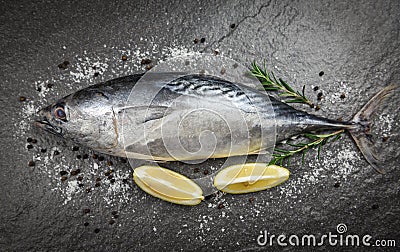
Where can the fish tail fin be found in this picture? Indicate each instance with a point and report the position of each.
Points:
(361, 135)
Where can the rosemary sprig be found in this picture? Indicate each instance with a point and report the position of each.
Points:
(271, 83)
(316, 140)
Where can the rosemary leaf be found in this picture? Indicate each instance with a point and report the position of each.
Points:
(279, 150)
(286, 85)
(294, 101)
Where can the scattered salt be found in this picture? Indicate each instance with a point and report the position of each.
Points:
(70, 190)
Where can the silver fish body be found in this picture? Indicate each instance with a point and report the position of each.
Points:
(192, 117)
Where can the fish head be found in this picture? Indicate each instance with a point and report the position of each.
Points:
(85, 117)
(53, 119)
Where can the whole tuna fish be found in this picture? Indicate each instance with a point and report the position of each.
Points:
(173, 125)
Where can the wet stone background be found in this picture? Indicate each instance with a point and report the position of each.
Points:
(58, 196)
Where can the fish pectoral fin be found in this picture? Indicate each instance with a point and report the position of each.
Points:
(142, 114)
(154, 113)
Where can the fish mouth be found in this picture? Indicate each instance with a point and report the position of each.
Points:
(47, 126)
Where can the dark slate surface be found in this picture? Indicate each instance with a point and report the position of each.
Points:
(356, 45)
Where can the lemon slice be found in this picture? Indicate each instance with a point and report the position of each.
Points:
(168, 185)
(252, 177)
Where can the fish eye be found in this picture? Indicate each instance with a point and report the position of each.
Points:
(59, 113)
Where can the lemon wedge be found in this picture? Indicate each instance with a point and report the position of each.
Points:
(251, 177)
(168, 185)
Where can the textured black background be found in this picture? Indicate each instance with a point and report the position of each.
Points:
(355, 43)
